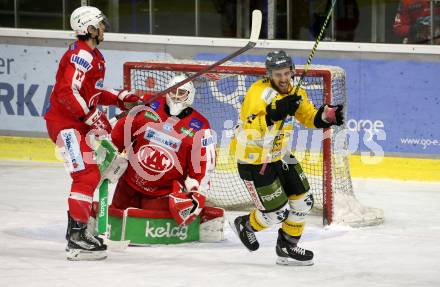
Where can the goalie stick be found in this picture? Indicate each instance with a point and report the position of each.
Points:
(255, 34)
(102, 218)
(103, 227)
(306, 67)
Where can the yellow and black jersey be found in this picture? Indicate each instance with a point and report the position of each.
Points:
(254, 139)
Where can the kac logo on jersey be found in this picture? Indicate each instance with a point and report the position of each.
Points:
(155, 158)
(195, 124)
(81, 62)
(155, 105)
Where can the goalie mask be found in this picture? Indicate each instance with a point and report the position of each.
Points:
(180, 98)
(86, 16)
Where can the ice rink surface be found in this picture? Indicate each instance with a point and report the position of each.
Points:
(404, 251)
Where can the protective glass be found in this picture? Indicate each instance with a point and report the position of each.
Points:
(105, 23)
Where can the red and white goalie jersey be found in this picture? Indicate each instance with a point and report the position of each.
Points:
(79, 87)
(162, 148)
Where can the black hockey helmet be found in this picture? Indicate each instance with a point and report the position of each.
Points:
(278, 60)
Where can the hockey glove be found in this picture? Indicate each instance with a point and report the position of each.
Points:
(98, 121)
(280, 109)
(127, 100)
(329, 115)
(185, 207)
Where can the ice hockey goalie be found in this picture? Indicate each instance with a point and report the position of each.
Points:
(171, 153)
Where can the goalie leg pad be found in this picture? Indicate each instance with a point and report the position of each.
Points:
(212, 224)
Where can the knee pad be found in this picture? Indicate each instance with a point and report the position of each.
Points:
(260, 220)
(300, 206)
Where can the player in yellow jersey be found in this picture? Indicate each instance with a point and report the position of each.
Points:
(281, 192)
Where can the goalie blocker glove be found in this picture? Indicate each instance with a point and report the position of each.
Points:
(278, 110)
(185, 206)
(329, 115)
(127, 100)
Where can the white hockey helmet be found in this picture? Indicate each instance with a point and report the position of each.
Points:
(85, 16)
(182, 97)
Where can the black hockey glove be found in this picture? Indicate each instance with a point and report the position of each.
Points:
(329, 115)
(279, 110)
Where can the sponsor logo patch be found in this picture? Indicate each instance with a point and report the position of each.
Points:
(155, 105)
(81, 62)
(254, 195)
(162, 139)
(195, 124)
(268, 95)
(167, 127)
(272, 196)
(207, 141)
(186, 132)
(73, 153)
(99, 84)
(152, 116)
(180, 232)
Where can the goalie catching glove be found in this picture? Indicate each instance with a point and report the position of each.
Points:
(185, 206)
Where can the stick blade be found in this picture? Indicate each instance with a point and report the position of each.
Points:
(256, 25)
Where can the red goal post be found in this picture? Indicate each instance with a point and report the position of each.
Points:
(218, 97)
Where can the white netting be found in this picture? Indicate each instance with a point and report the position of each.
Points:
(219, 94)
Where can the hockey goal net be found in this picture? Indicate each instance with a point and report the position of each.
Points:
(322, 155)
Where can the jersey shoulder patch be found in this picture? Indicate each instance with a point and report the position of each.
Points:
(82, 60)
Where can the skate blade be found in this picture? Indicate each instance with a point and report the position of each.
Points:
(292, 262)
(84, 255)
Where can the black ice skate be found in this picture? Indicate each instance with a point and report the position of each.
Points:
(81, 245)
(245, 233)
(289, 253)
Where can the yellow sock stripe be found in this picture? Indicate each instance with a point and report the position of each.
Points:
(293, 228)
(296, 196)
(253, 220)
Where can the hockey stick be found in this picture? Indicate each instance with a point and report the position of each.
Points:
(255, 34)
(306, 67)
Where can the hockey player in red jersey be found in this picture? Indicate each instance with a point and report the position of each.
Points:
(413, 21)
(73, 114)
(169, 147)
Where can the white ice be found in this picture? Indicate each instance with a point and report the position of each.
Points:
(404, 251)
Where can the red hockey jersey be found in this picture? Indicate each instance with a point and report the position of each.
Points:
(79, 87)
(413, 20)
(163, 148)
